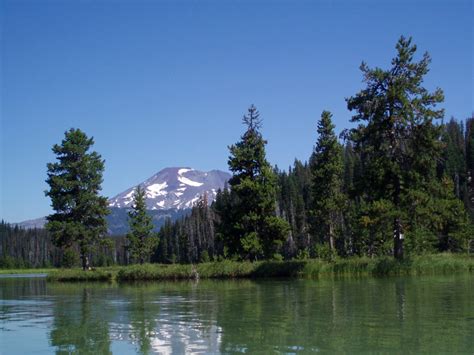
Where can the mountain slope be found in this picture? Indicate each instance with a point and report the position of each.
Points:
(170, 193)
(177, 188)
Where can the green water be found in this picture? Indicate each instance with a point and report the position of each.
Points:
(413, 315)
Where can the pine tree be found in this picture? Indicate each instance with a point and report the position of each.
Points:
(75, 181)
(469, 141)
(453, 156)
(255, 231)
(142, 241)
(398, 142)
(224, 222)
(163, 236)
(349, 168)
(327, 169)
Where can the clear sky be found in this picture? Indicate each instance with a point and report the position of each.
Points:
(165, 83)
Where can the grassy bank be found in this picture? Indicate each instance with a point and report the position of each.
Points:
(80, 275)
(383, 266)
(25, 271)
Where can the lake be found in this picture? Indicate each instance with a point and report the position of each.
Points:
(413, 315)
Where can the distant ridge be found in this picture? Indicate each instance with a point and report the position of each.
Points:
(170, 193)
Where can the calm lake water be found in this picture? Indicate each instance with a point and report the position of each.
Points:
(419, 314)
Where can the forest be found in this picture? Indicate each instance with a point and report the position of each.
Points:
(398, 183)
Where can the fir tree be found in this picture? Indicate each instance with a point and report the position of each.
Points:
(453, 162)
(349, 168)
(327, 169)
(255, 231)
(164, 236)
(469, 141)
(142, 241)
(396, 138)
(75, 181)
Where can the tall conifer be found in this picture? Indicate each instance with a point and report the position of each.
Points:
(396, 138)
(327, 170)
(75, 182)
(142, 241)
(255, 231)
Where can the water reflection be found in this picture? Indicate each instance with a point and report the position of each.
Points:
(399, 314)
(163, 319)
(154, 318)
(79, 325)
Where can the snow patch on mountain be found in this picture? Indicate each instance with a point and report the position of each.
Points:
(189, 182)
(182, 171)
(156, 190)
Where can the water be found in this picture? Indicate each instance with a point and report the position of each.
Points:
(413, 315)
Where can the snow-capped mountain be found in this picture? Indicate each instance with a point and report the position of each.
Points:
(175, 188)
(170, 193)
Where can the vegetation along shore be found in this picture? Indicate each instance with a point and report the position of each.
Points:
(349, 267)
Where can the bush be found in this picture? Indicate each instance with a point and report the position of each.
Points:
(205, 257)
(7, 262)
(80, 275)
(70, 259)
(324, 252)
(303, 254)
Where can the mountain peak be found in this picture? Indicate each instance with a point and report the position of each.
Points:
(175, 187)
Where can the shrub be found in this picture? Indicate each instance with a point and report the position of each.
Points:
(70, 259)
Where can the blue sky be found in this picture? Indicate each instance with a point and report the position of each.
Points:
(165, 83)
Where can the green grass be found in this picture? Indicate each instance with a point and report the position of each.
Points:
(101, 274)
(351, 267)
(387, 266)
(25, 271)
(313, 268)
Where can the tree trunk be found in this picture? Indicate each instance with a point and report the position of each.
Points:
(331, 237)
(397, 225)
(85, 262)
(397, 239)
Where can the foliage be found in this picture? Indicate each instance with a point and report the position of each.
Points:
(141, 238)
(80, 276)
(75, 181)
(327, 174)
(70, 258)
(396, 137)
(251, 229)
(446, 263)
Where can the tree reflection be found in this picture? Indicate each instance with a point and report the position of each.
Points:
(290, 316)
(78, 325)
(142, 321)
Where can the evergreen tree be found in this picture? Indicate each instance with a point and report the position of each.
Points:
(327, 169)
(396, 137)
(453, 162)
(437, 218)
(142, 241)
(469, 142)
(255, 231)
(165, 236)
(75, 181)
(224, 217)
(349, 168)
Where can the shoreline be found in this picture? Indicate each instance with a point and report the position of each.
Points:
(432, 264)
(26, 271)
